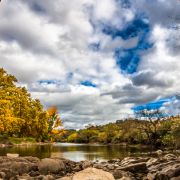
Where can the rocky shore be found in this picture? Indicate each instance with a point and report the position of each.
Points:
(146, 168)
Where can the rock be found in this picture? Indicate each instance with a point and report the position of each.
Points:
(48, 165)
(32, 159)
(110, 167)
(169, 171)
(164, 170)
(159, 152)
(21, 167)
(77, 168)
(93, 174)
(137, 167)
(49, 177)
(98, 166)
(175, 178)
(112, 161)
(152, 161)
(86, 164)
(41, 177)
(2, 175)
(34, 173)
(130, 160)
(65, 178)
(24, 177)
(118, 174)
(170, 157)
(125, 178)
(12, 155)
(12, 167)
(150, 176)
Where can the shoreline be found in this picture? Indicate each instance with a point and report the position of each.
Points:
(130, 168)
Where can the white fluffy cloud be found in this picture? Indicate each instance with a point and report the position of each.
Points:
(46, 45)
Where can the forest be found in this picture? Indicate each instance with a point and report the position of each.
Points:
(159, 133)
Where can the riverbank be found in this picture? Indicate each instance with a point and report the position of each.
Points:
(14, 141)
(130, 168)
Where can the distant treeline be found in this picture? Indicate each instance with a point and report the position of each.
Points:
(159, 132)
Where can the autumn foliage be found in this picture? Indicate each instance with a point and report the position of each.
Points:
(54, 120)
(20, 115)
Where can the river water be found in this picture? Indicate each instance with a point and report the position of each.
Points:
(75, 152)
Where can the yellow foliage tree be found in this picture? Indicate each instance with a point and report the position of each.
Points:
(54, 119)
(20, 115)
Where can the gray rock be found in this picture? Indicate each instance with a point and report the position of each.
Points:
(77, 168)
(152, 161)
(134, 168)
(118, 174)
(169, 171)
(48, 165)
(159, 152)
(170, 157)
(86, 164)
(98, 166)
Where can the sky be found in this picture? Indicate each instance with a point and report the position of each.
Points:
(98, 61)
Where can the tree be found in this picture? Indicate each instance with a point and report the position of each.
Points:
(54, 120)
(20, 115)
(150, 121)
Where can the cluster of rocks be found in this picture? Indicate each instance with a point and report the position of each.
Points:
(31, 168)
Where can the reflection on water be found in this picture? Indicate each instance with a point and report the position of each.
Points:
(75, 152)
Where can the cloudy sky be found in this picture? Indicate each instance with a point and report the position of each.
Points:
(97, 60)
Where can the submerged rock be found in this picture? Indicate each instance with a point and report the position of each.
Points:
(12, 155)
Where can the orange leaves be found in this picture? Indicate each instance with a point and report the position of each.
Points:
(54, 120)
(52, 111)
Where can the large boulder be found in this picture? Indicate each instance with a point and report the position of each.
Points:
(17, 168)
(166, 169)
(169, 172)
(93, 174)
(54, 166)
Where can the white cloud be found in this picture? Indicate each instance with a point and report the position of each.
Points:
(49, 40)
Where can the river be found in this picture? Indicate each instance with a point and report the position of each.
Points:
(75, 152)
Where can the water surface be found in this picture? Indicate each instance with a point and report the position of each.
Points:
(75, 152)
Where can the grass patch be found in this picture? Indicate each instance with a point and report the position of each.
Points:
(16, 140)
(4, 139)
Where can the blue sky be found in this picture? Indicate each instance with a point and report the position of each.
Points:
(96, 60)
